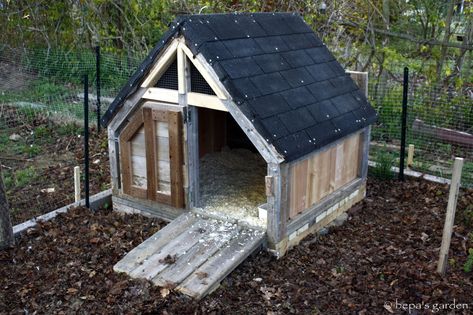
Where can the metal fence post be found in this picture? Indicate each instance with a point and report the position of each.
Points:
(86, 139)
(97, 82)
(403, 123)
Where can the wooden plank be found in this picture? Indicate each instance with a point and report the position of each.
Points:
(364, 152)
(208, 276)
(339, 162)
(310, 214)
(175, 155)
(298, 185)
(113, 160)
(193, 156)
(443, 134)
(125, 153)
(269, 186)
(410, 155)
(450, 216)
(154, 243)
(150, 153)
(206, 101)
(181, 71)
(161, 95)
(162, 145)
(147, 207)
(196, 256)
(176, 247)
(203, 71)
(127, 110)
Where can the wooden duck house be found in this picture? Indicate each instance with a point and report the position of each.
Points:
(244, 120)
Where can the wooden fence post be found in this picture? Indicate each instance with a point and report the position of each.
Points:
(77, 183)
(450, 217)
(410, 155)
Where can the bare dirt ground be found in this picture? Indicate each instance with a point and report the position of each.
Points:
(38, 168)
(386, 251)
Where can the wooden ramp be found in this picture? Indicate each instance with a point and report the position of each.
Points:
(192, 254)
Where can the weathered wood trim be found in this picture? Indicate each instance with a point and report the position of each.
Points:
(206, 101)
(150, 143)
(127, 110)
(113, 160)
(125, 153)
(96, 201)
(193, 155)
(128, 204)
(161, 95)
(175, 156)
(364, 153)
(181, 70)
(309, 215)
(163, 61)
(213, 81)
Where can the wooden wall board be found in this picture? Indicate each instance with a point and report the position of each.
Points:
(322, 173)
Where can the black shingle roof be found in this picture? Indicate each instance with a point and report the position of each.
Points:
(279, 73)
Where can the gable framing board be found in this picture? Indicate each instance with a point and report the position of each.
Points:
(162, 64)
(200, 63)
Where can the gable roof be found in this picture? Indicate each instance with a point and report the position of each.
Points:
(278, 72)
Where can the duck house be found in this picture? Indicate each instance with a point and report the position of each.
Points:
(243, 131)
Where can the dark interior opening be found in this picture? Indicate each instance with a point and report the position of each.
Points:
(218, 129)
(231, 169)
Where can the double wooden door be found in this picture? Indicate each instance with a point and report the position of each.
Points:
(151, 156)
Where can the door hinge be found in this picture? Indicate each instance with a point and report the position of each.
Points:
(187, 115)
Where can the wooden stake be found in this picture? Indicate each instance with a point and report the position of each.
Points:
(410, 155)
(450, 218)
(77, 183)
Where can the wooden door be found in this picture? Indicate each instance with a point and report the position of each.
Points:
(152, 158)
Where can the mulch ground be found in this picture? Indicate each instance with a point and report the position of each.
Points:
(50, 182)
(386, 251)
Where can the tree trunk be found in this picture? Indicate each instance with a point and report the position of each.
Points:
(6, 231)
(446, 38)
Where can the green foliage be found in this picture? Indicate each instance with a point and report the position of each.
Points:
(469, 261)
(69, 129)
(25, 176)
(384, 161)
(31, 150)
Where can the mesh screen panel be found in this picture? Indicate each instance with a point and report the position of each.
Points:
(169, 79)
(198, 83)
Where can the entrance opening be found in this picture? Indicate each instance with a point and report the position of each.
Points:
(232, 172)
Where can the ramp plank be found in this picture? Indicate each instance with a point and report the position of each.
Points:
(197, 255)
(175, 248)
(212, 272)
(150, 246)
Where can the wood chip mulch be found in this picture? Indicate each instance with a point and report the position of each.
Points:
(385, 253)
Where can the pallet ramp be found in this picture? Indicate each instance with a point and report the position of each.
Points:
(192, 254)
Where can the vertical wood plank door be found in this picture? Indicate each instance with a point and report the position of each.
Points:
(151, 151)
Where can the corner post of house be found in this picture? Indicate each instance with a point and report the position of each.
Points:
(190, 125)
(278, 211)
(113, 160)
(364, 153)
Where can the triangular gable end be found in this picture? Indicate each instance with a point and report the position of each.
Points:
(167, 73)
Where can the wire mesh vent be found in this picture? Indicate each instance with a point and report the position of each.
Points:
(169, 79)
(198, 83)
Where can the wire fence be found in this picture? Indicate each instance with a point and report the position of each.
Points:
(439, 126)
(41, 124)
